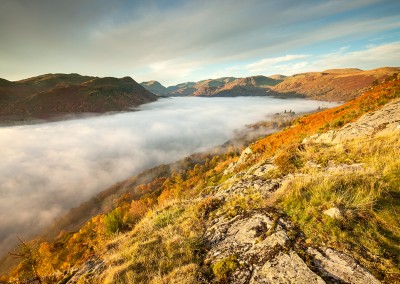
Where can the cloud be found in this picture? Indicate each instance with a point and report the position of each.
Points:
(48, 168)
(267, 63)
(127, 37)
(369, 58)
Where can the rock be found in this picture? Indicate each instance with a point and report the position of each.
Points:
(346, 168)
(311, 164)
(244, 157)
(334, 213)
(87, 271)
(285, 268)
(340, 267)
(262, 170)
(246, 153)
(380, 122)
(253, 238)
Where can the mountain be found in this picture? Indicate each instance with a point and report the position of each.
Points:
(51, 95)
(183, 89)
(330, 85)
(249, 86)
(334, 84)
(155, 87)
(225, 86)
(317, 202)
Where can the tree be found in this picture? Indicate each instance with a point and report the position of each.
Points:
(29, 255)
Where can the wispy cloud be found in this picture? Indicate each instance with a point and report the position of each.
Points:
(128, 37)
(268, 63)
(368, 58)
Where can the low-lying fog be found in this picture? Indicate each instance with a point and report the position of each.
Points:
(48, 168)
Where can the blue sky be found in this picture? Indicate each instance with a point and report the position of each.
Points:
(179, 41)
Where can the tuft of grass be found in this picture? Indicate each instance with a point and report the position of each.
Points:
(289, 159)
(238, 204)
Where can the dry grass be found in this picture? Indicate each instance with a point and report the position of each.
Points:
(166, 244)
(369, 199)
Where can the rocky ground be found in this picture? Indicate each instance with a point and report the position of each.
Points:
(262, 245)
(266, 247)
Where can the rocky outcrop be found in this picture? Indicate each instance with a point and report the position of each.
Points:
(262, 245)
(86, 272)
(371, 124)
(340, 267)
(286, 268)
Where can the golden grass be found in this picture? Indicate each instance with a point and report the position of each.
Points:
(164, 245)
(369, 199)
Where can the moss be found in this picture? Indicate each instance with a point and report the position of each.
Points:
(225, 267)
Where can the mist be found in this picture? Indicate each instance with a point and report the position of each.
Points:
(48, 168)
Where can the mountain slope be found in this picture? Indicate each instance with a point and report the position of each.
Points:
(225, 86)
(287, 210)
(155, 87)
(331, 85)
(249, 86)
(53, 95)
(335, 84)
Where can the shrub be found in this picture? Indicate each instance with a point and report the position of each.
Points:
(113, 221)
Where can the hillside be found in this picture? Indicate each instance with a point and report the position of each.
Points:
(315, 203)
(52, 95)
(225, 86)
(335, 84)
(329, 85)
(155, 87)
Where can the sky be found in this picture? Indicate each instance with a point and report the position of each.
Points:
(175, 41)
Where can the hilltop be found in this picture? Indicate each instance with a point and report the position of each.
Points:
(330, 85)
(314, 203)
(53, 95)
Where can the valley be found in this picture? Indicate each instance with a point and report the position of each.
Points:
(260, 189)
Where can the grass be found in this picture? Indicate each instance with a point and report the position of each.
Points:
(166, 244)
(369, 199)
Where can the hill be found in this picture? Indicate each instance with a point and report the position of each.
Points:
(330, 85)
(155, 87)
(249, 86)
(53, 95)
(225, 86)
(333, 85)
(315, 203)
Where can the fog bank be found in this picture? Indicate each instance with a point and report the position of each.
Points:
(48, 168)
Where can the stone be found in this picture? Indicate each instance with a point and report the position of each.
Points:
(244, 156)
(87, 271)
(334, 213)
(340, 267)
(285, 268)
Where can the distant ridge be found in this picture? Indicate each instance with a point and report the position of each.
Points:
(332, 85)
(51, 95)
